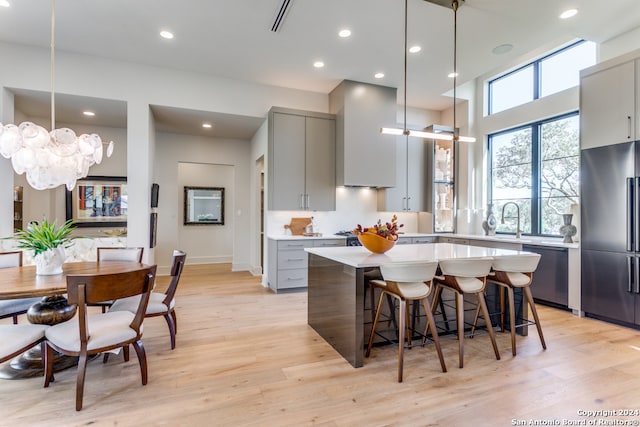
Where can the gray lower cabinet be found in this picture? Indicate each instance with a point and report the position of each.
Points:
(551, 278)
(455, 240)
(288, 261)
(405, 240)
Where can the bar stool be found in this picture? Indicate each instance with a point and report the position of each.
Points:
(462, 277)
(516, 271)
(407, 281)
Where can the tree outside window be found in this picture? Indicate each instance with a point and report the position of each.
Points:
(536, 166)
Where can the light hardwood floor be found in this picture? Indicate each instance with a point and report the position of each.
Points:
(246, 357)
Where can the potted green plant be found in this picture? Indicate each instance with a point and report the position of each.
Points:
(48, 241)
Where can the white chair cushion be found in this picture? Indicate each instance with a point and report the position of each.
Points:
(521, 263)
(120, 254)
(15, 337)
(469, 284)
(414, 290)
(518, 279)
(131, 304)
(104, 330)
(10, 306)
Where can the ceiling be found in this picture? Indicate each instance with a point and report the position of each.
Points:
(233, 39)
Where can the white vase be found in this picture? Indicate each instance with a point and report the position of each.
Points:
(50, 261)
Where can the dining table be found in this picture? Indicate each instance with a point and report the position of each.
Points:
(23, 282)
(336, 288)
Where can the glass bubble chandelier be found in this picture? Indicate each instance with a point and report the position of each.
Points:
(51, 159)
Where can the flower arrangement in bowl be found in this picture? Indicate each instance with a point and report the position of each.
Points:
(380, 237)
(48, 242)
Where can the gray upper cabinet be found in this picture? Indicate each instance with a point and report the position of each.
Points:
(364, 156)
(409, 193)
(301, 160)
(607, 105)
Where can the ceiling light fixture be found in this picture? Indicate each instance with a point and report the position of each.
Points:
(502, 49)
(50, 159)
(569, 13)
(344, 33)
(415, 49)
(318, 64)
(207, 125)
(89, 113)
(378, 75)
(166, 34)
(4, 3)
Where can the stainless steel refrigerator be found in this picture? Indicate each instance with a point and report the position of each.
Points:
(610, 232)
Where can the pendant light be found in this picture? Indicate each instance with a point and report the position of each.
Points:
(424, 134)
(54, 158)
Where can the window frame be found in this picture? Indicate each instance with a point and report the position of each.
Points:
(536, 169)
(537, 76)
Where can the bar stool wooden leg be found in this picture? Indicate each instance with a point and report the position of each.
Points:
(402, 317)
(431, 324)
(375, 324)
(527, 292)
(485, 313)
(460, 322)
(512, 318)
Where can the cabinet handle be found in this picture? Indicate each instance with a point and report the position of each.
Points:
(307, 200)
(295, 259)
(629, 127)
(636, 278)
(629, 273)
(301, 204)
(296, 279)
(408, 200)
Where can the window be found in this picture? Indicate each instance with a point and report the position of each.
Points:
(548, 75)
(535, 166)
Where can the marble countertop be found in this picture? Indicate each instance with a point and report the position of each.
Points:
(358, 256)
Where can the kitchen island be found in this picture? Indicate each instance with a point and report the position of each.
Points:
(336, 278)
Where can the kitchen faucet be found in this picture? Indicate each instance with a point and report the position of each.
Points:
(518, 217)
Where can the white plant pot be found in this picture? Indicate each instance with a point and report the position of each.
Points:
(50, 262)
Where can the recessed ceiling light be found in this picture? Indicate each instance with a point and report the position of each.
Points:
(415, 49)
(89, 113)
(344, 33)
(452, 75)
(318, 64)
(502, 49)
(166, 34)
(378, 75)
(4, 3)
(569, 13)
(207, 125)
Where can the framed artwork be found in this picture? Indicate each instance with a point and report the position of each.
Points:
(203, 205)
(98, 201)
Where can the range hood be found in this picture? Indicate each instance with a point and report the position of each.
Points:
(364, 156)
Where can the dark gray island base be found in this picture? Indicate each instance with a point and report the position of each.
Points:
(337, 307)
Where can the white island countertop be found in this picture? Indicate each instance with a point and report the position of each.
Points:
(359, 257)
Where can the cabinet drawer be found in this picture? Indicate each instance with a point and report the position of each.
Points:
(418, 240)
(292, 278)
(292, 259)
(294, 244)
(404, 241)
(328, 243)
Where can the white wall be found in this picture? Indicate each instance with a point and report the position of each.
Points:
(185, 160)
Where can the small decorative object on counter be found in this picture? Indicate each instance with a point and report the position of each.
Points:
(381, 237)
(489, 225)
(567, 230)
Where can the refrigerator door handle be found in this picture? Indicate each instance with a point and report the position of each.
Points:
(630, 214)
(636, 215)
(630, 274)
(636, 278)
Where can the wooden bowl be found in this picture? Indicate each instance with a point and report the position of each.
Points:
(375, 243)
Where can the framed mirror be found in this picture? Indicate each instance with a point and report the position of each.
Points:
(203, 205)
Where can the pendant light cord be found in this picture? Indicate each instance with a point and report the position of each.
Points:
(454, 6)
(406, 8)
(53, 95)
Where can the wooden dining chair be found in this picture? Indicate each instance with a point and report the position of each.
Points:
(14, 307)
(160, 304)
(87, 335)
(105, 254)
